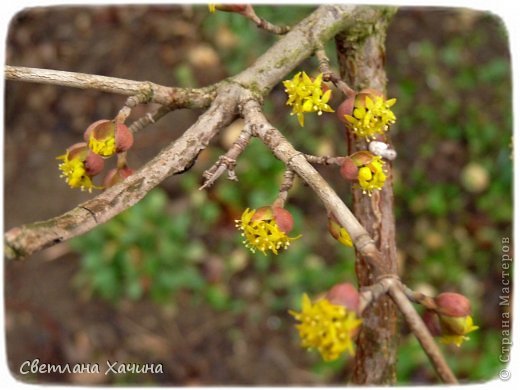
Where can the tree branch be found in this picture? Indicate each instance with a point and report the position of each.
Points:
(297, 162)
(265, 24)
(283, 193)
(361, 56)
(228, 160)
(324, 160)
(329, 75)
(175, 158)
(423, 335)
(148, 119)
(168, 96)
(258, 80)
(300, 43)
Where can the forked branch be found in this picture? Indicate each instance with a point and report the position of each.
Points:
(241, 94)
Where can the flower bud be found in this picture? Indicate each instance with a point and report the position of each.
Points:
(338, 232)
(368, 114)
(94, 163)
(431, 320)
(349, 169)
(344, 294)
(79, 165)
(363, 157)
(345, 108)
(453, 325)
(124, 138)
(371, 173)
(454, 311)
(117, 175)
(283, 219)
(263, 214)
(239, 8)
(105, 137)
(361, 97)
(452, 304)
(266, 229)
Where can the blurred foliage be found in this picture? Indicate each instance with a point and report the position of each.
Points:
(252, 42)
(453, 189)
(454, 174)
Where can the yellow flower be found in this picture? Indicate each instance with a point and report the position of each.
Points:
(371, 115)
(326, 327)
(212, 7)
(262, 233)
(79, 166)
(106, 137)
(371, 176)
(449, 337)
(74, 173)
(306, 95)
(104, 147)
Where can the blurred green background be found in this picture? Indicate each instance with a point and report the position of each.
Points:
(169, 280)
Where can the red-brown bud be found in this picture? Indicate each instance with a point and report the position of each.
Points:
(239, 8)
(94, 163)
(431, 320)
(124, 138)
(344, 294)
(371, 92)
(349, 169)
(452, 305)
(262, 214)
(117, 175)
(79, 150)
(345, 108)
(362, 157)
(104, 129)
(281, 216)
(283, 219)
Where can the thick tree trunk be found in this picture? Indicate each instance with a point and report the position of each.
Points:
(361, 54)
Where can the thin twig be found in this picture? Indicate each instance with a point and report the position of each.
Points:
(267, 71)
(130, 103)
(287, 183)
(296, 161)
(420, 298)
(250, 13)
(227, 161)
(148, 119)
(329, 75)
(324, 160)
(174, 159)
(422, 334)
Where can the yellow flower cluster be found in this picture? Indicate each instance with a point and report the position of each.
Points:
(212, 7)
(306, 95)
(371, 176)
(74, 172)
(105, 146)
(326, 327)
(262, 234)
(371, 116)
(449, 337)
